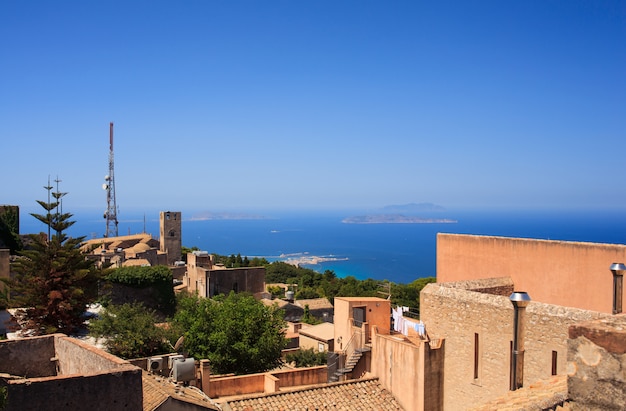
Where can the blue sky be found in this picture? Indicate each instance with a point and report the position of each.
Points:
(224, 105)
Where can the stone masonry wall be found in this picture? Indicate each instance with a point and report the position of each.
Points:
(464, 318)
(597, 364)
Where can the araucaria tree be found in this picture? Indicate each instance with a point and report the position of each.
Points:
(54, 282)
(237, 333)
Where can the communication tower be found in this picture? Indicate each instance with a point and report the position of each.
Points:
(110, 214)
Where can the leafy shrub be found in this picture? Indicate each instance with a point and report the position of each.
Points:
(307, 358)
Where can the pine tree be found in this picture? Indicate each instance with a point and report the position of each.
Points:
(54, 282)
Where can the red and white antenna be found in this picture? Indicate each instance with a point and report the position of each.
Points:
(109, 186)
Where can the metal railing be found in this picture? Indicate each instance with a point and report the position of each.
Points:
(355, 343)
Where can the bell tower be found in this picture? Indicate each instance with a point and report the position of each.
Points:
(171, 235)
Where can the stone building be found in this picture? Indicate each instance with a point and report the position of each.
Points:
(469, 310)
(207, 279)
(142, 249)
(170, 229)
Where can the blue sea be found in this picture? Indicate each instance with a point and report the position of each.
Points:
(397, 252)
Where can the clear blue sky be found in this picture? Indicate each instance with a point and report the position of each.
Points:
(224, 105)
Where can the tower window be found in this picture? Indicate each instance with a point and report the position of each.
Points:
(554, 362)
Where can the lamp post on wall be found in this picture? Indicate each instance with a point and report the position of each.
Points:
(618, 270)
(520, 300)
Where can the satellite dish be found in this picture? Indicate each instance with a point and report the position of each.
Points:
(107, 178)
(105, 186)
(179, 343)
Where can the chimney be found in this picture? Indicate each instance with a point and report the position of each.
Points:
(618, 270)
(520, 300)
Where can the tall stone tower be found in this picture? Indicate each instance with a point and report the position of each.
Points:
(171, 235)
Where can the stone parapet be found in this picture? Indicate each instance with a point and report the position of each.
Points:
(496, 286)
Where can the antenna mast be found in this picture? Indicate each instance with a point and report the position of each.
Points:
(109, 186)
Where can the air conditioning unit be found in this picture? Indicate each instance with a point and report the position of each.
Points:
(172, 358)
(155, 364)
(184, 370)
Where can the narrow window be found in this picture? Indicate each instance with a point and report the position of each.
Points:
(554, 361)
(476, 355)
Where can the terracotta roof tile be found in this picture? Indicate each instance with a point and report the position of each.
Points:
(352, 395)
(157, 390)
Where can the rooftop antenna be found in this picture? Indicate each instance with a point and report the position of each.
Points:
(109, 186)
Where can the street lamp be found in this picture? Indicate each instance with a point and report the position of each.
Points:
(618, 270)
(520, 300)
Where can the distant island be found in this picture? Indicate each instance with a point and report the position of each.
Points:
(393, 219)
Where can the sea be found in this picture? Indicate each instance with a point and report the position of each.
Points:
(320, 240)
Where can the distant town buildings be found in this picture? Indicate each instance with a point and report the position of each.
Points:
(473, 346)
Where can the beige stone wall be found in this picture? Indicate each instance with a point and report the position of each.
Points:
(244, 279)
(460, 317)
(571, 274)
(77, 357)
(197, 268)
(597, 364)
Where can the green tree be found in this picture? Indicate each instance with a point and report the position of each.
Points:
(9, 234)
(236, 333)
(276, 291)
(186, 250)
(307, 293)
(129, 331)
(54, 282)
(307, 358)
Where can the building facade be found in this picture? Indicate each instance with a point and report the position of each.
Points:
(170, 226)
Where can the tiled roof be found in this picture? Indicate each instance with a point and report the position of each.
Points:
(157, 390)
(315, 303)
(365, 394)
(323, 331)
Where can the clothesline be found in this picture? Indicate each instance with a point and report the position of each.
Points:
(401, 325)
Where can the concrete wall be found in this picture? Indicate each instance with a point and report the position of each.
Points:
(106, 391)
(597, 364)
(263, 382)
(307, 342)
(77, 357)
(58, 372)
(411, 371)
(28, 357)
(571, 274)
(377, 311)
(462, 317)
